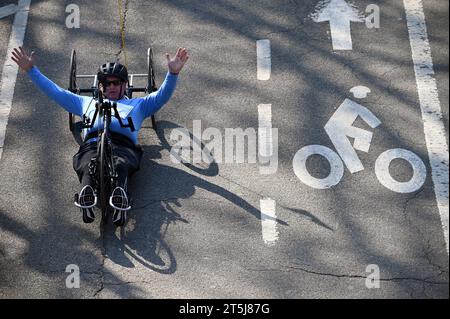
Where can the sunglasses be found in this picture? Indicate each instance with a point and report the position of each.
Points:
(114, 82)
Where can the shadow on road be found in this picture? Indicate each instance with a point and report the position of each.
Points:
(157, 190)
(52, 240)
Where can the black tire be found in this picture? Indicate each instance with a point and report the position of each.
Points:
(103, 179)
(72, 84)
(151, 83)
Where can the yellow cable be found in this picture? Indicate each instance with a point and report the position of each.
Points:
(122, 32)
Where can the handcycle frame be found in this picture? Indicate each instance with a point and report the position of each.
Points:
(73, 87)
(107, 176)
(103, 171)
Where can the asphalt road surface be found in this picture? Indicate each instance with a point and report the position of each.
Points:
(197, 231)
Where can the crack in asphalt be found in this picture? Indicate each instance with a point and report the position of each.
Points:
(427, 241)
(414, 197)
(101, 271)
(427, 245)
(429, 259)
(122, 30)
(290, 268)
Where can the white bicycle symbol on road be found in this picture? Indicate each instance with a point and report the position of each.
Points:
(339, 128)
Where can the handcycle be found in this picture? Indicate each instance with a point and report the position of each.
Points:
(102, 167)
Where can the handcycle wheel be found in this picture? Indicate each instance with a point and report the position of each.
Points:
(103, 179)
(72, 84)
(151, 83)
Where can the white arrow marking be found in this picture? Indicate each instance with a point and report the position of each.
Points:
(339, 13)
(8, 10)
(339, 127)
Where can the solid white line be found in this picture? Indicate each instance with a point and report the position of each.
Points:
(8, 10)
(430, 106)
(264, 63)
(268, 221)
(10, 69)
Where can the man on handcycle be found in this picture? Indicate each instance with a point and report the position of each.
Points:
(113, 82)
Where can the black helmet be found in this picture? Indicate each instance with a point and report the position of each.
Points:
(112, 69)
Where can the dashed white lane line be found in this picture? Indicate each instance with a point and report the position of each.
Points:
(10, 69)
(269, 221)
(264, 62)
(265, 141)
(430, 106)
(265, 137)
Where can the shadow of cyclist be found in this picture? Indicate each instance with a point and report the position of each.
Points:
(156, 190)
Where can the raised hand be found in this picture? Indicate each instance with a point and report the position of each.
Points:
(177, 63)
(23, 60)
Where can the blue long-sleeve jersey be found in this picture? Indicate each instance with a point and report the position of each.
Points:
(137, 108)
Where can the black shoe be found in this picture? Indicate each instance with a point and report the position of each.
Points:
(86, 201)
(119, 201)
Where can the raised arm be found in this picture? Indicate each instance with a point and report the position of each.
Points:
(177, 63)
(70, 102)
(154, 101)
